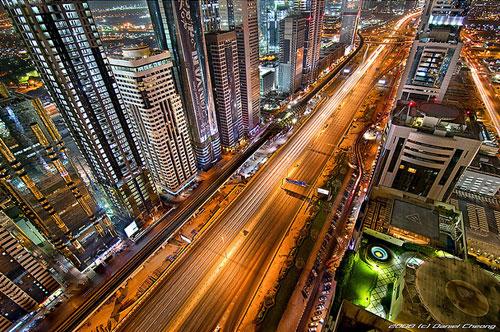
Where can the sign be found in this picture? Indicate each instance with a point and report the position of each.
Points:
(131, 229)
(296, 182)
(323, 191)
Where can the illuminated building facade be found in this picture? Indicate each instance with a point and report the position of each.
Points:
(314, 10)
(64, 44)
(179, 28)
(43, 192)
(25, 280)
(292, 49)
(146, 84)
(428, 148)
(350, 18)
(435, 51)
(224, 70)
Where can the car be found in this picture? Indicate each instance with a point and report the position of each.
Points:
(320, 307)
(316, 318)
(322, 298)
(312, 329)
(313, 324)
(327, 287)
(317, 312)
(327, 283)
(325, 292)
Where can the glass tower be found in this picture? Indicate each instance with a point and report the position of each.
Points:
(63, 42)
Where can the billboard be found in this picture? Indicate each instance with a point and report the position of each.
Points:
(131, 229)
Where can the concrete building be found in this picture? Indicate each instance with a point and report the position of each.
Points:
(179, 28)
(292, 53)
(427, 149)
(147, 86)
(314, 11)
(25, 280)
(482, 176)
(241, 16)
(330, 54)
(267, 79)
(224, 70)
(435, 51)
(62, 40)
(351, 10)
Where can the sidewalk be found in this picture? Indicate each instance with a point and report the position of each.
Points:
(116, 307)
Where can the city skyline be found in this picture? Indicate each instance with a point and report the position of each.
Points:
(249, 165)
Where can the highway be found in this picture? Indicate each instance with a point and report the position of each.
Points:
(213, 283)
(487, 95)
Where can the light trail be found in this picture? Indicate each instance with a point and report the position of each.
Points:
(494, 115)
(193, 284)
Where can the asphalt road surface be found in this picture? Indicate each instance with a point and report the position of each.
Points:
(214, 282)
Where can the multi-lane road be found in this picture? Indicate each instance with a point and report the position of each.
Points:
(213, 283)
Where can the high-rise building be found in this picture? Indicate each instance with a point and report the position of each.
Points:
(314, 9)
(292, 49)
(25, 281)
(210, 15)
(435, 51)
(46, 196)
(350, 17)
(268, 78)
(179, 28)
(147, 86)
(271, 12)
(427, 149)
(241, 15)
(62, 40)
(224, 70)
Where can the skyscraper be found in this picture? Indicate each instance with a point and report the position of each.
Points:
(146, 83)
(178, 27)
(350, 18)
(25, 281)
(224, 70)
(435, 51)
(315, 10)
(271, 12)
(292, 48)
(241, 15)
(63, 42)
(47, 198)
(427, 149)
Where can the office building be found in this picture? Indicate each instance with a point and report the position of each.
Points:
(62, 40)
(351, 10)
(210, 15)
(313, 10)
(241, 16)
(267, 79)
(25, 280)
(435, 52)
(482, 176)
(292, 52)
(224, 70)
(147, 86)
(179, 28)
(330, 54)
(271, 12)
(427, 149)
(39, 179)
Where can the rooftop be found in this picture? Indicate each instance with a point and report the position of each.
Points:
(486, 164)
(417, 219)
(436, 119)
